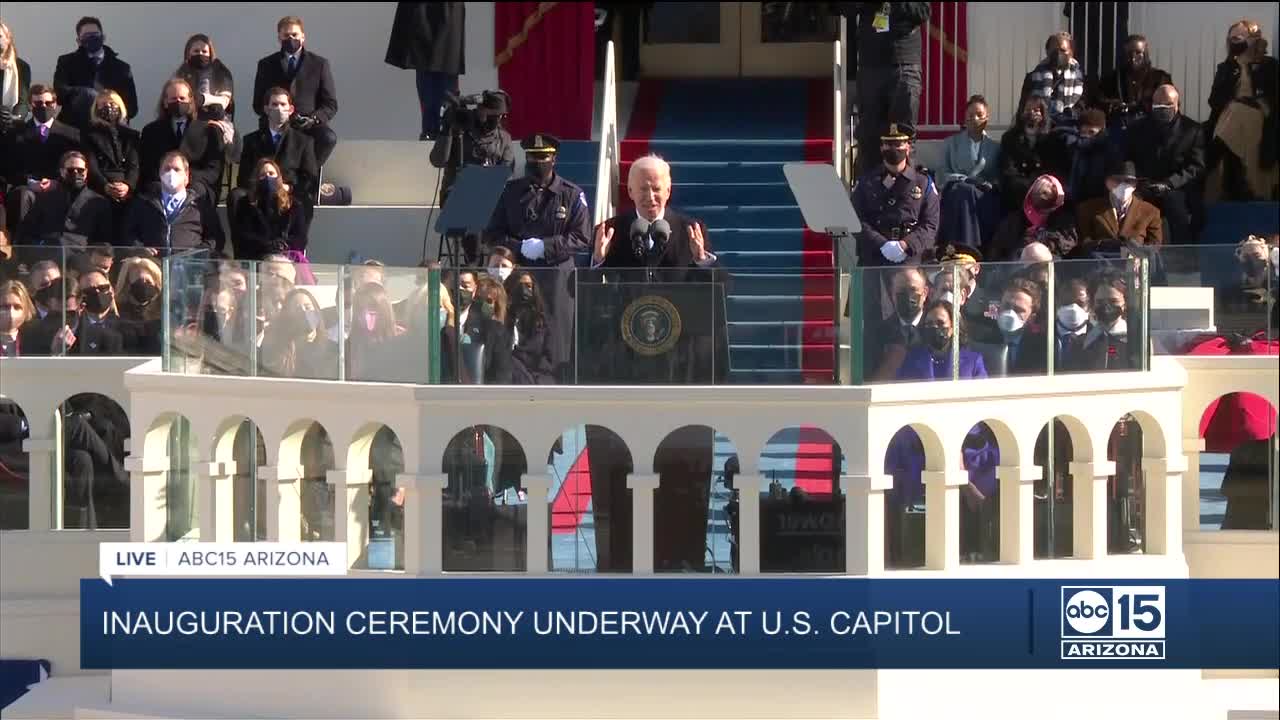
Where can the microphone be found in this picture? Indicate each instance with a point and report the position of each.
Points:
(639, 233)
(661, 230)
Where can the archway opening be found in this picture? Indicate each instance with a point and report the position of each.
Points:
(485, 504)
(590, 506)
(912, 450)
(802, 515)
(95, 486)
(980, 498)
(1060, 442)
(1238, 474)
(15, 468)
(692, 528)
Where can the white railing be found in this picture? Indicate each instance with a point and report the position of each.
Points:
(838, 82)
(609, 168)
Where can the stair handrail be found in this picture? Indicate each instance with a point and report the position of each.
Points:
(838, 83)
(608, 167)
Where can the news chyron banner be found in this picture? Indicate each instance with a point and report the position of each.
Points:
(660, 622)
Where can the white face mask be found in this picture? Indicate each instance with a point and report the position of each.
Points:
(169, 180)
(948, 297)
(1072, 317)
(1009, 322)
(279, 116)
(1122, 193)
(500, 273)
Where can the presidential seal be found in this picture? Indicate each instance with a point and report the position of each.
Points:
(651, 325)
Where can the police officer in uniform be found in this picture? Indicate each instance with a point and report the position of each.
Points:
(899, 209)
(480, 140)
(545, 221)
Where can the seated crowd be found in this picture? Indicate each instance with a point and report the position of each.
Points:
(73, 172)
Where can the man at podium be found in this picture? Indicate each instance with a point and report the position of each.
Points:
(652, 311)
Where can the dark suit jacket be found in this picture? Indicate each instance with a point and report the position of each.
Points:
(1099, 227)
(201, 143)
(113, 157)
(1119, 87)
(260, 232)
(531, 358)
(1021, 163)
(1265, 76)
(1173, 155)
(429, 36)
(105, 338)
(195, 225)
(57, 219)
(75, 72)
(312, 85)
(673, 264)
(296, 156)
(25, 156)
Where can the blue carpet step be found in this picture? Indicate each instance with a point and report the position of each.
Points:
(782, 357)
(786, 281)
(723, 171)
(577, 151)
(730, 193)
(757, 376)
(773, 259)
(763, 217)
(777, 150)
(756, 332)
(780, 308)
(753, 238)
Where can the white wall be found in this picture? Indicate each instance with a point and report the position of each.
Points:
(376, 101)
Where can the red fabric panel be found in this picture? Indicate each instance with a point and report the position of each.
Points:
(817, 334)
(1236, 418)
(945, 73)
(550, 76)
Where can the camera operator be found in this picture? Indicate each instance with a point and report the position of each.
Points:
(472, 135)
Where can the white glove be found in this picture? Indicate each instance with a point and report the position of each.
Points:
(533, 248)
(893, 252)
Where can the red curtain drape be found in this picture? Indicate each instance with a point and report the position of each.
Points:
(946, 69)
(550, 71)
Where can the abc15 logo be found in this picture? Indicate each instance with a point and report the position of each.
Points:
(1135, 612)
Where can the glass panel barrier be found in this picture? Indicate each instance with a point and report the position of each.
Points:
(1100, 315)
(35, 292)
(505, 325)
(1213, 299)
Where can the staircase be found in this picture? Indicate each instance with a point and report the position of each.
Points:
(727, 142)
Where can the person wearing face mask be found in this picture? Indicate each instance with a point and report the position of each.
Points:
(177, 128)
(1023, 349)
(15, 83)
(292, 150)
(1242, 130)
(481, 141)
(502, 262)
(308, 79)
(429, 38)
(56, 302)
(31, 156)
(112, 149)
(269, 220)
(1071, 319)
(1058, 80)
(887, 341)
(898, 206)
(1029, 150)
(139, 287)
(16, 313)
(485, 343)
(1044, 218)
(970, 176)
(96, 329)
(527, 324)
(70, 215)
(1090, 151)
(1168, 150)
(1121, 219)
(543, 219)
(295, 344)
(1126, 92)
(1106, 345)
(172, 214)
(931, 358)
(82, 75)
(210, 80)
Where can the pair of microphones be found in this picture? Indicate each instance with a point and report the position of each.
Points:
(643, 231)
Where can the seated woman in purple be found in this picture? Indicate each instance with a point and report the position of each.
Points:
(904, 460)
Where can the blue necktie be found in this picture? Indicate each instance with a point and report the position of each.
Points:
(172, 206)
(293, 65)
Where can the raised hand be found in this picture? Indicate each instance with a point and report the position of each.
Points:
(604, 236)
(697, 243)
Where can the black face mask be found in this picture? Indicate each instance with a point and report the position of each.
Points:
(200, 62)
(215, 112)
(45, 295)
(908, 305)
(489, 124)
(526, 294)
(143, 292)
(1238, 46)
(93, 43)
(1139, 62)
(178, 109)
(1164, 115)
(212, 322)
(540, 172)
(893, 156)
(44, 114)
(95, 301)
(1060, 60)
(935, 337)
(1107, 313)
(290, 45)
(74, 183)
(109, 114)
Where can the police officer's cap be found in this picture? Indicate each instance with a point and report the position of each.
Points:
(541, 144)
(496, 100)
(960, 254)
(899, 132)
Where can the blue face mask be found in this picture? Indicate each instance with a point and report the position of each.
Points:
(444, 317)
(269, 184)
(92, 42)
